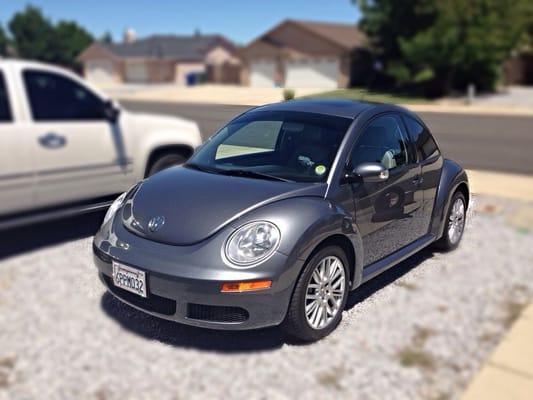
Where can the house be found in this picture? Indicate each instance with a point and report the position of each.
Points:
(302, 54)
(162, 58)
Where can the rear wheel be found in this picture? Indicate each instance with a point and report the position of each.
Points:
(320, 296)
(166, 161)
(454, 224)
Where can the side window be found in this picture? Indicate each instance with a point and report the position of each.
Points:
(254, 137)
(5, 109)
(54, 97)
(420, 136)
(383, 141)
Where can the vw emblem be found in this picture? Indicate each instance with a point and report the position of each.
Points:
(156, 223)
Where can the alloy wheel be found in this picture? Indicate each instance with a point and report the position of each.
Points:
(325, 292)
(456, 221)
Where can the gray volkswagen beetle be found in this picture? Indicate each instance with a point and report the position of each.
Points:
(280, 214)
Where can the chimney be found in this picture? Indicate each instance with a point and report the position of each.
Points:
(129, 35)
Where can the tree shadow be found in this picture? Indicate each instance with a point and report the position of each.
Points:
(267, 339)
(20, 240)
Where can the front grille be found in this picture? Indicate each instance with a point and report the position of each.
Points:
(152, 303)
(226, 314)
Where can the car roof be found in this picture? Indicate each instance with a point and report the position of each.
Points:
(328, 106)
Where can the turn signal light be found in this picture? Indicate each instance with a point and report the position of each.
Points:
(245, 286)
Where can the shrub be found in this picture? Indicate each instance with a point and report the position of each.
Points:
(288, 94)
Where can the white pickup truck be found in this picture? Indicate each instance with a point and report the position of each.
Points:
(65, 147)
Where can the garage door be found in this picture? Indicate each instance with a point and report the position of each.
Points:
(136, 72)
(262, 73)
(316, 73)
(99, 71)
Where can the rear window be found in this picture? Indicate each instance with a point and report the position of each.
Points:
(421, 137)
(5, 110)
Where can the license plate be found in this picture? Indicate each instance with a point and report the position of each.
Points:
(130, 279)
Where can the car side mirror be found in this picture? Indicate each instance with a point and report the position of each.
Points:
(369, 172)
(111, 111)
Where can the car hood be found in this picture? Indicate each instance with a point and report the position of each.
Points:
(195, 204)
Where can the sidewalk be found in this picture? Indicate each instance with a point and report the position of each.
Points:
(500, 184)
(508, 373)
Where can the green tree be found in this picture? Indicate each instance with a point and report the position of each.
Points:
(445, 44)
(36, 37)
(70, 40)
(3, 42)
(33, 35)
(107, 38)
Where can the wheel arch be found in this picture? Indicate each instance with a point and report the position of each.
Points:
(160, 151)
(453, 178)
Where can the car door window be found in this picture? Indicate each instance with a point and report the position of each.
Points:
(384, 141)
(54, 97)
(5, 109)
(421, 137)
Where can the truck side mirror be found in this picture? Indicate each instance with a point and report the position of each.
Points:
(111, 111)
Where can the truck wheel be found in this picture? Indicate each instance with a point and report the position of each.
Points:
(454, 225)
(320, 296)
(166, 161)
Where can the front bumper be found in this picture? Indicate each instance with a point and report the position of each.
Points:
(184, 282)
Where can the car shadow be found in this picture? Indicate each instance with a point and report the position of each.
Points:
(267, 339)
(28, 238)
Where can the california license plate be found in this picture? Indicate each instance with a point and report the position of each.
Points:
(130, 279)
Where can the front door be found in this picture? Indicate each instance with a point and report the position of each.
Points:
(16, 167)
(389, 214)
(78, 154)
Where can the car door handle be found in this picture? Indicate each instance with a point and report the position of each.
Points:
(52, 140)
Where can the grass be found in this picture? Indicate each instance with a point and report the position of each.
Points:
(513, 310)
(416, 357)
(376, 96)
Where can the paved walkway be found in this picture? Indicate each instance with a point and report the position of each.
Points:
(252, 96)
(508, 373)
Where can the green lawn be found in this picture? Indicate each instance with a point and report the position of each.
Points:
(363, 94)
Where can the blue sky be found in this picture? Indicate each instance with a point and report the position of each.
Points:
(240, 20)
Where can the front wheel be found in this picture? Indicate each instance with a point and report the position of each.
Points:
(319, 297)
(454, 224)
(166, 161)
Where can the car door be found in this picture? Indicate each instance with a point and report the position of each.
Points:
(79, 154)
(388, 214)
(16, 171)
(430, 160)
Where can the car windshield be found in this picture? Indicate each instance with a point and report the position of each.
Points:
(291, 146)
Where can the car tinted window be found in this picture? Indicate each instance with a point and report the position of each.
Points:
(54, 97)
(5, 109)
(297, 146)
(255, 137)
(383, 141)
(420, 136)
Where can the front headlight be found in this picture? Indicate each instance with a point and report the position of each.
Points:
(252, 243)
(112, 210)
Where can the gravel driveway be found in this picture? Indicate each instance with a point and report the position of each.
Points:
(421, 330)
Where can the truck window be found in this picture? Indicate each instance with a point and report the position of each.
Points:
(54, 97)
(5, 110)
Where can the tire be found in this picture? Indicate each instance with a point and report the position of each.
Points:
(297, 324)
(166, 161)
(449, 241)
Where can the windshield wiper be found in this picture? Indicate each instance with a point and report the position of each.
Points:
(203, 168)
(252, 174)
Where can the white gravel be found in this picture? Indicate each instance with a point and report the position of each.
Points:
(62, 337)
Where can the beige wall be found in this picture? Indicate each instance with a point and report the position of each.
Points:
(184, 68)
(219, 55)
